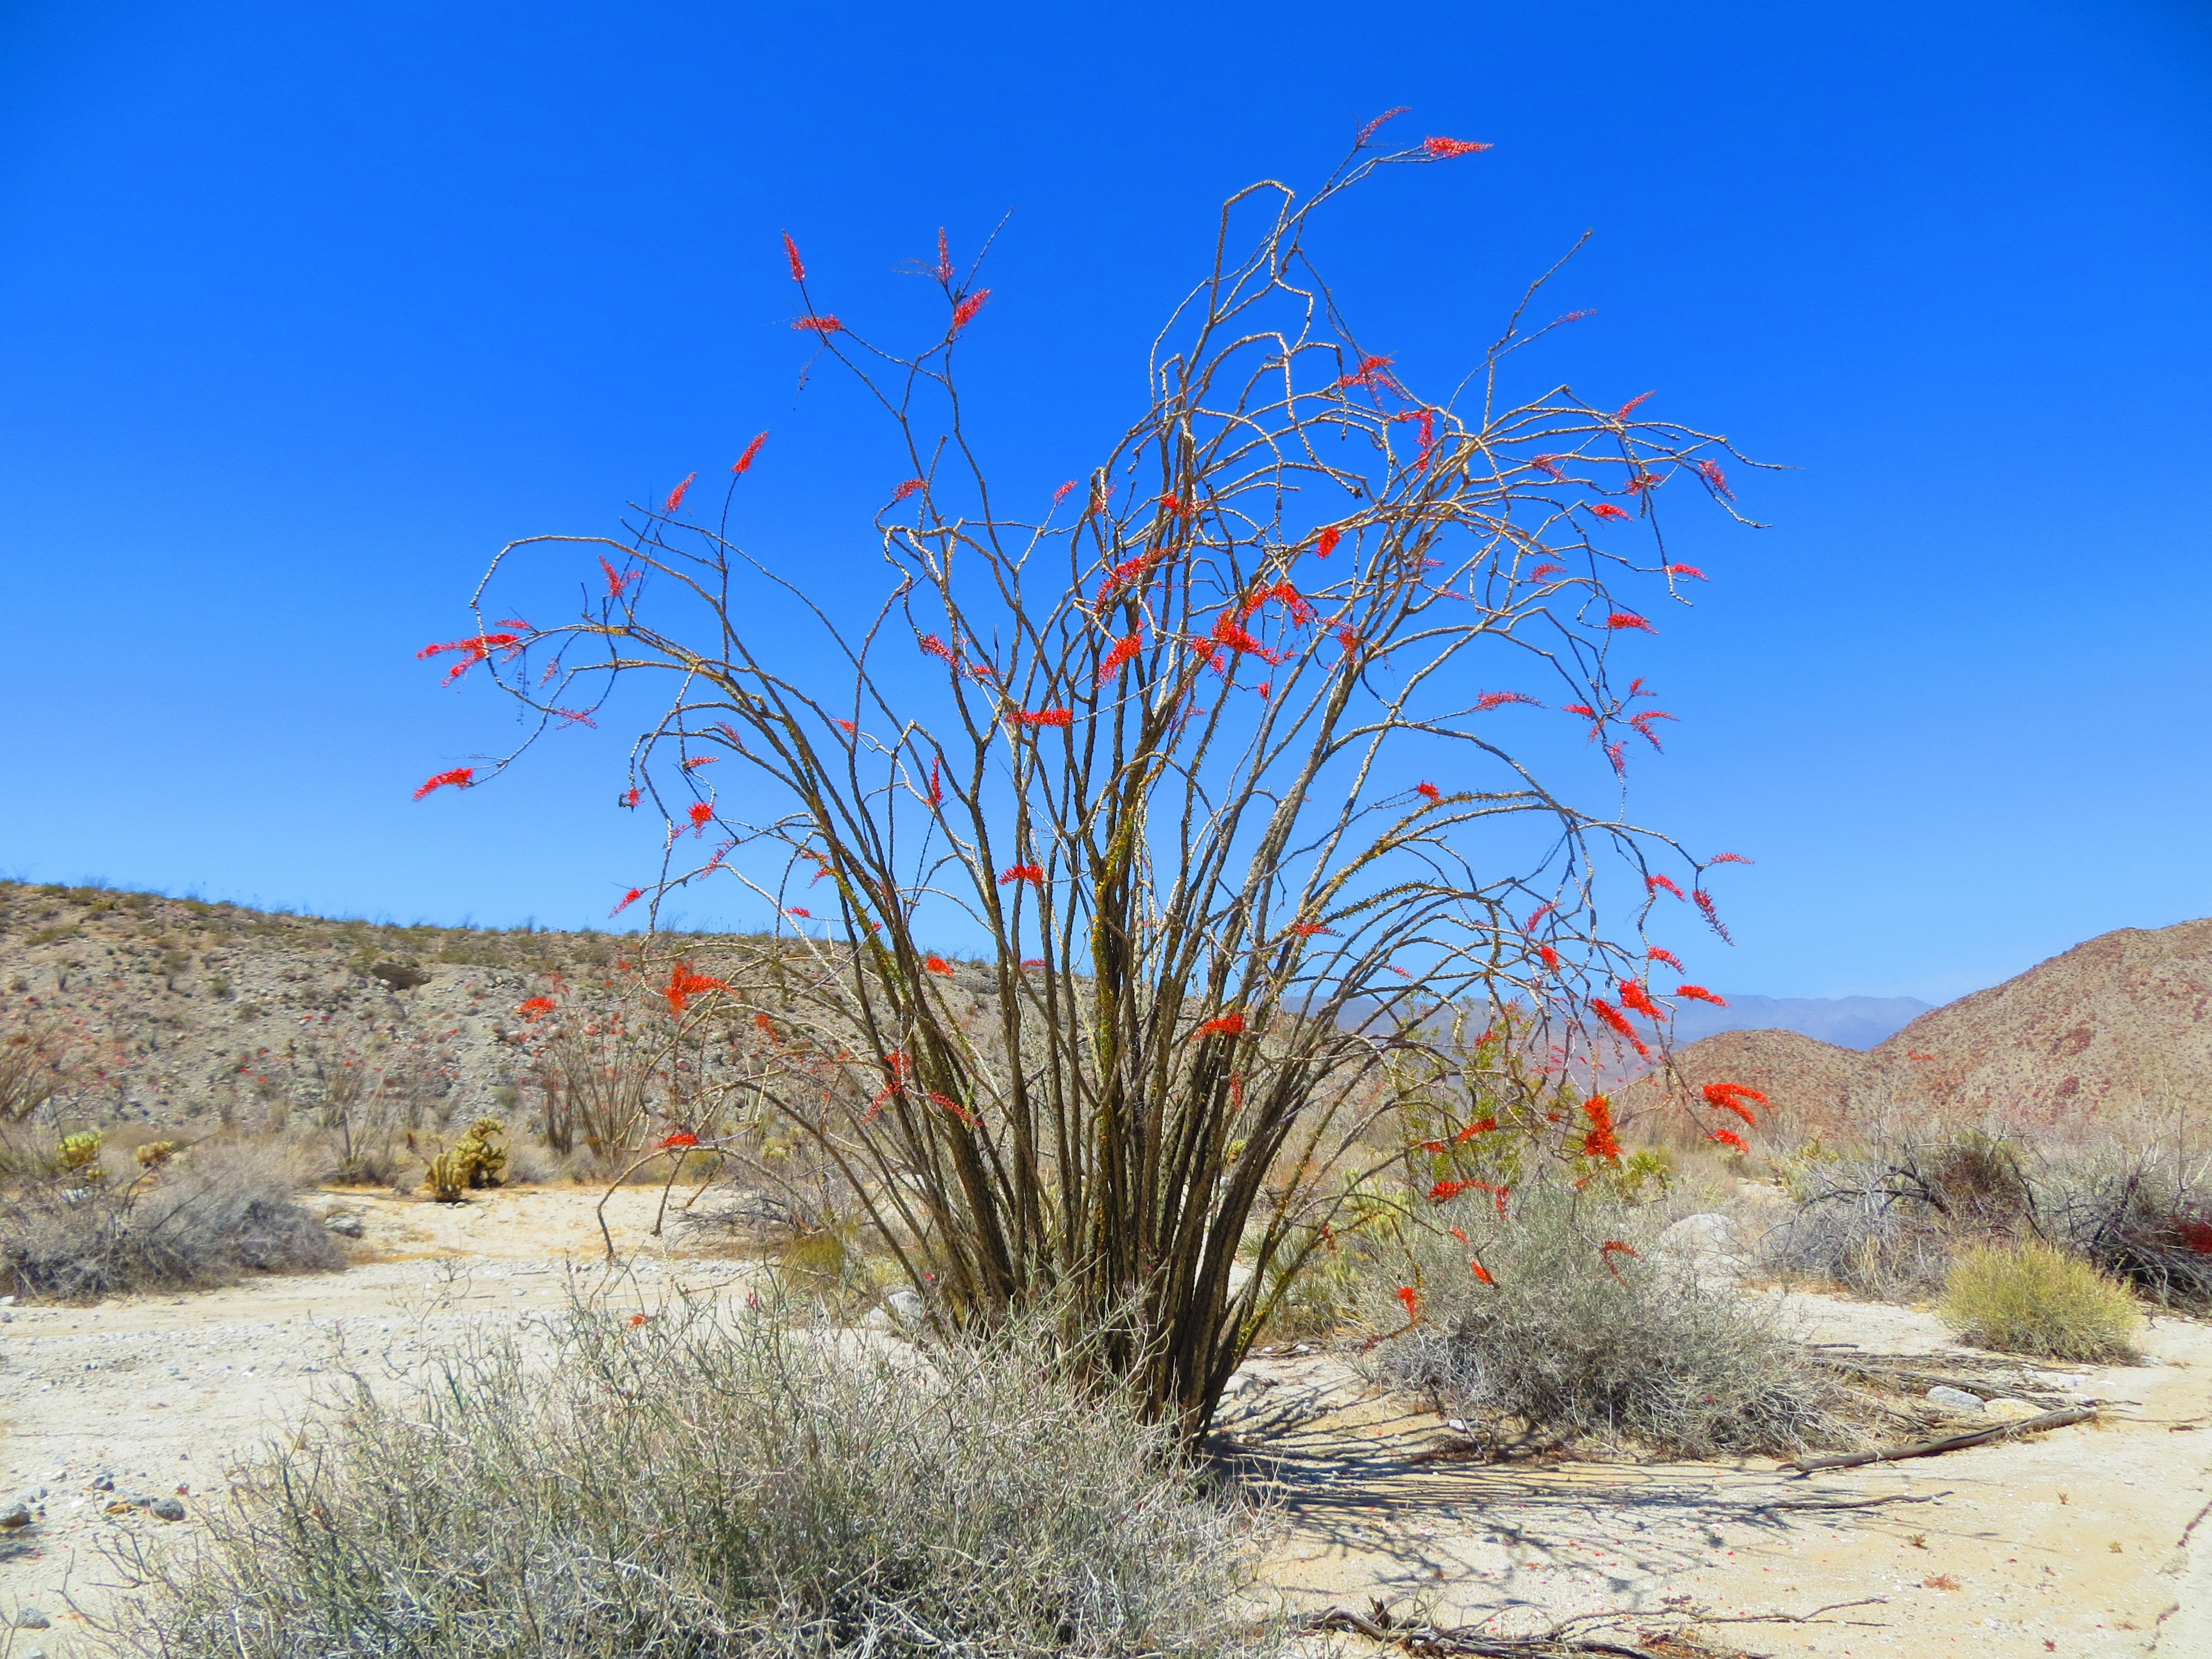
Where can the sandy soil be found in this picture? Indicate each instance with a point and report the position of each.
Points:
(2085, 1540)
(2088, 1540)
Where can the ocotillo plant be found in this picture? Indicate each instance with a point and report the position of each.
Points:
(1203, 746)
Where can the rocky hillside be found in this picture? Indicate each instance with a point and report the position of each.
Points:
(2113, 1031)
(172, 1011)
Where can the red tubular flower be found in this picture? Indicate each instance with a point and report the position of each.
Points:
(1615, 1246)
(461, 777)
(1123, 653)
(1063, 492)
(1635, 998)
(934, 647)
(1039, 717)
(1445, 1190)
(1368, 131)
(1226, 1025)
(472, 651)
(1412, 1299)
(1429, 792)
(964, 313)
(683, 985)
(806, 916)
(1479, 1126)
(1620, 619)
(702, 816)
(745, 462)
(1549, 465)
(1660, 884)
(1716, 480)
(850, 727)
(1623, 412)
(1581, 708)
(1428, 440)
(1731, 1097)
(1704, 902)
(1489, 700)
(1308, 929)
(618, 580)
(937, 964)
(1687, 570)
(676, 495)
(1699, 994)
(791, 252)
(1729, 1137)
(697, 761)
(1537, 916)
(912, 486)
(1727, 858)
(1619, 1021)
(1658, 953)
(1173, 503)
(1372, 371)
(825, 326)
(1348, 639)
(1643, 482)
(1598, 1141)
(1607, 510)
(936, 788)
(1481, 1273)
(537, 1008)
(1031, 874)
(947, 1104)
(1034, 962)
(1325, 544)
(627, 899)
(681, 1138)
(1229, 632)
(1550, 956)
(1443, 149)
(944, 258)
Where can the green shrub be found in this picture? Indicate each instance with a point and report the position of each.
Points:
(2041, 1301)
(1573, 1339)
(717, 1483)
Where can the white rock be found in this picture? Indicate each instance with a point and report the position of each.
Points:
(1957, 1399)
(1699, 1235)
(905, 1307)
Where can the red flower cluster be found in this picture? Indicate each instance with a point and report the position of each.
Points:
(681, 1138)
(1445, 148)
(1624, 411)
(683, 985)
(1429, 792)
(1124, 653)
(1412, 1299)
(472, 651)
(791, 252)
(461, 777)
(911, 487)
(618, 580)
(702, 815)
(954, 1108)
(1731, 1097)
(819, 325)
(964, 313)
(1634, 997)
(1031, 874)
(1699, 994)
(1598, 1141)
(1620, 619)
(1716, 480)
(1038, 717)
(537, 1008)
(1228, 631)
(1712, 912)
(1325, 544)
(627, 899)
(1226, 1025)
(934, 963)
(1661, 883)
(676, 495)
(1659, 953)
(1607, 510)
(1308, 929)
(1729, 1137)
(1489, 700)
(744, 463)
(1613, 1018)
(1685, 570)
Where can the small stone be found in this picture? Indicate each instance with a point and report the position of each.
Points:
(15, 1516)
(347, 1224)
(876, 1319)
(905, 1307)
(166, 1509)
(30, 1619)
(1957, 1399)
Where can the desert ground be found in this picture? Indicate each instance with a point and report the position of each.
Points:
(2088, 1540)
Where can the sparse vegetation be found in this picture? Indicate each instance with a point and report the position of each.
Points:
(712, 1482)
(77, 1231)
(1579, 1330)
(2035, 1299)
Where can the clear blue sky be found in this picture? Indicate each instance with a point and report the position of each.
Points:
(304, 310)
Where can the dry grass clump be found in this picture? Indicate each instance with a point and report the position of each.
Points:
(79, 1230)
(713, 1482)
(2038, 1300)
(1572, 1339)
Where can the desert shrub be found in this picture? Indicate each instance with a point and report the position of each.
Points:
(476, 1160)
(209, 1217)
(1572, 1337)
(2143, 1219)
(713, 1482)
(1888, 1221)
(2036, 1299)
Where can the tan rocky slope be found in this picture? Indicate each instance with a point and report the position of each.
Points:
(2109, 1032)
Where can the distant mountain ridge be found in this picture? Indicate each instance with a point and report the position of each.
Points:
(2116, 1028)
(1845, 1022)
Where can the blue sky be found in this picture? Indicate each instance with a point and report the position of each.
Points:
(305, 310)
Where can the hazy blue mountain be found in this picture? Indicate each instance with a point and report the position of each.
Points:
(1847, 1022)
